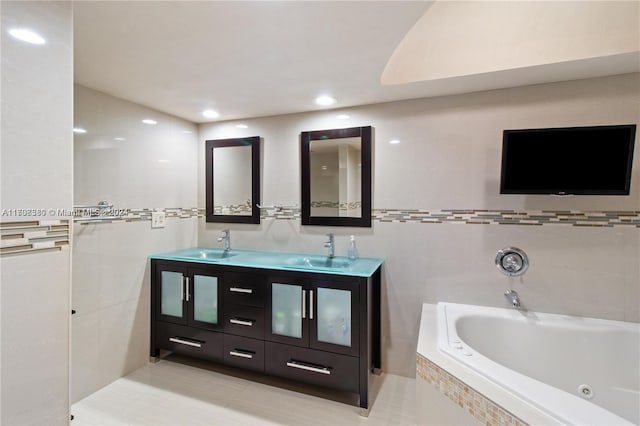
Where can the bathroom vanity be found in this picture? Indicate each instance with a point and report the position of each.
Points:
(308, 318)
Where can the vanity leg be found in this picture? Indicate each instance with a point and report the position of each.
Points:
(364, 403)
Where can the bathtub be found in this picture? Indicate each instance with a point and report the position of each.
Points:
(578, 371)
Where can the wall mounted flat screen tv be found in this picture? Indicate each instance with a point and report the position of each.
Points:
(593, 160)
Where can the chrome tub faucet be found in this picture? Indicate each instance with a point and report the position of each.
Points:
(513, 298)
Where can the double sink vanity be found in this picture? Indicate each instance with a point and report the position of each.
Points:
(309, 318)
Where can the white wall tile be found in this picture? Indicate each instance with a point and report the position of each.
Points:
(153, 167)
(35, 338)
(111, 294)
(111, 272)
(36, 172)
(36, 107)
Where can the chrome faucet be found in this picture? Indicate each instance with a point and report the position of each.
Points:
(330, 245)
(513, 298)
(226, 237)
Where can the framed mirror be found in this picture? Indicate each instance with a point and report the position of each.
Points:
(233, 180)
(336, 177)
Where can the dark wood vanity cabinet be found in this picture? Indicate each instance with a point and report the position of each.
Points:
(186, 310)
(317, 328)
(314, 334)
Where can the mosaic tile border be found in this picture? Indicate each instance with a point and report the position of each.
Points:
(336, 205)
(137, 215)
(473, 402)
(240, 209)
(598, 219)
(33, 236)
(606, 219)
(280, 213)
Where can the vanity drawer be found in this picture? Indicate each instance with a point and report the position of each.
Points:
(189, 341)
(244, 289)
(316, 367)
(244, 352)
(245, 321)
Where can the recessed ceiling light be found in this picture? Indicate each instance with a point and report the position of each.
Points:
(187, 131)
(79, 130)
(26, 35)
(394, 142)
(325, 100)
(324, 167)
(149, 121)
(119, 139)
(242, 126)
(342, 117)
(209, 113)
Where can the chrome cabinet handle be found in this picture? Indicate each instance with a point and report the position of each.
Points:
(185, 342)
(241, 322)
(301, 366)
(304, 303)
(310, 304)
(241, 290)
(242, 354)
(182, 290)
(188, 291)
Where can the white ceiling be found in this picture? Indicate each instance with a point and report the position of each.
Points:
(242, 59)
(249, 59)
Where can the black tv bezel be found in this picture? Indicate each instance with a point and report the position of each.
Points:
(560, 191)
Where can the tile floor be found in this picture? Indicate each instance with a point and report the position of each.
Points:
(181, 391)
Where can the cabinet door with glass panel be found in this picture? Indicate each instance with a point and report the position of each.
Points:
(316, 313)
(188, 295)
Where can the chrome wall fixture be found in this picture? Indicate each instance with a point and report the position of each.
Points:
(101, 205)
(512, 261)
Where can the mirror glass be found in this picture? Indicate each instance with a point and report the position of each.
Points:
(232, 180)
(336, 177)
(233, 185)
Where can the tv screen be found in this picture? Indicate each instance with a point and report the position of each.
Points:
(574, 160)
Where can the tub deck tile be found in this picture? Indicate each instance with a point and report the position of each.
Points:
(476, 404)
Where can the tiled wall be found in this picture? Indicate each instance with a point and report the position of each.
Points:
(138, 169)
(445, 172)
(36, 173)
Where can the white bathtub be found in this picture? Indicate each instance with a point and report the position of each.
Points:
(578, 371)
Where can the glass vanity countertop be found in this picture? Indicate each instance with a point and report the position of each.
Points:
(303, 262)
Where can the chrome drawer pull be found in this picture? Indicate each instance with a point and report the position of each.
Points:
(321, 370)
(185, 342)
(241, 322)
(241, 290)
(241, 354)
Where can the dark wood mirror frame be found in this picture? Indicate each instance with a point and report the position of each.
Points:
(365, 133)
(210, 146)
